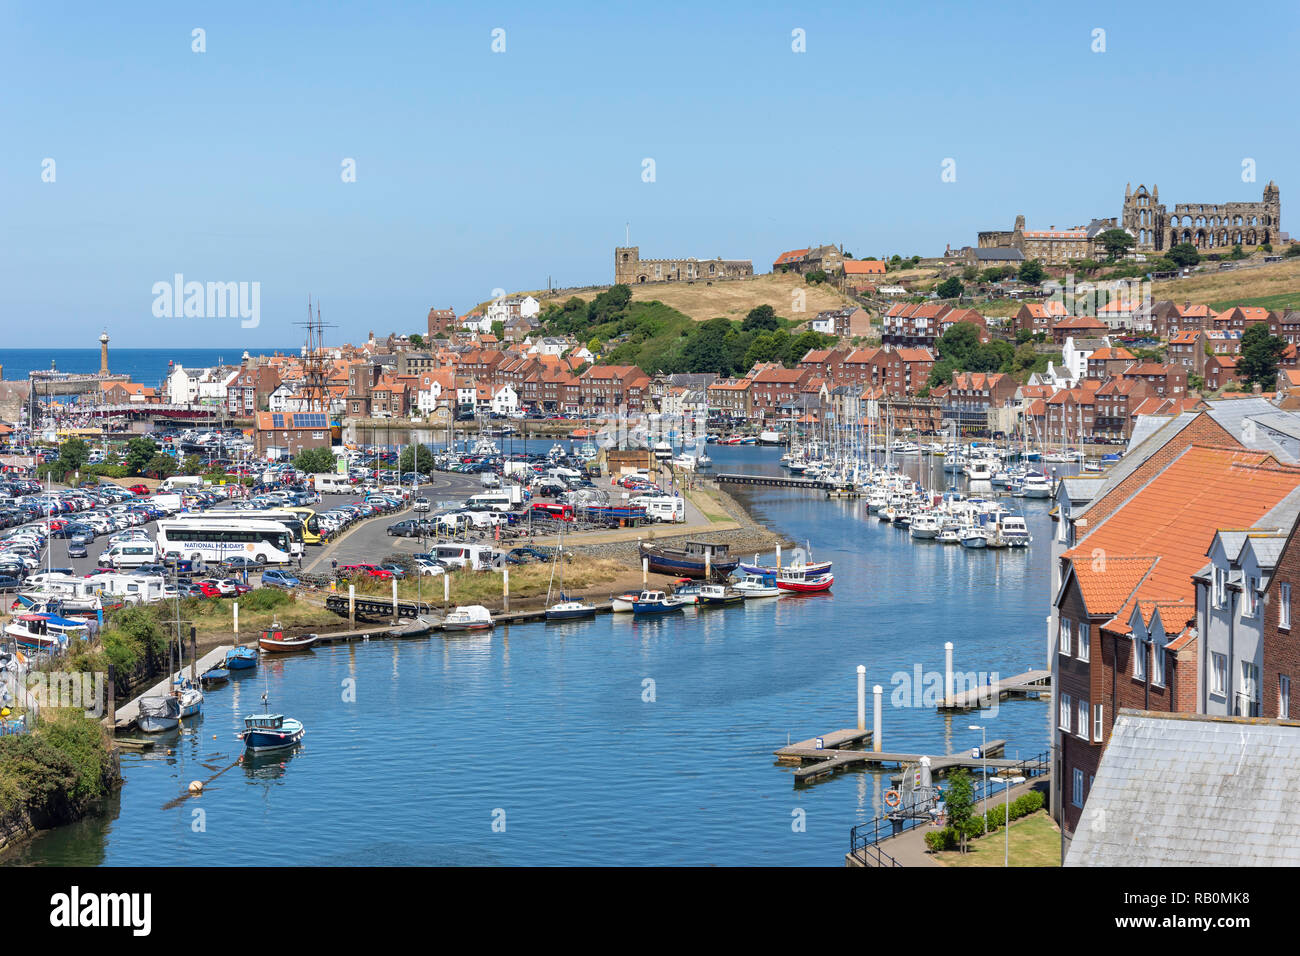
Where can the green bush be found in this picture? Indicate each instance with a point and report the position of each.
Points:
(266, 599)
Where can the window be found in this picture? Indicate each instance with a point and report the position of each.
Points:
(1066, 705)
(1139, 658)
(1251, 604)
(1078, 788)
(1067, 627)
(1218, 674)
(1158, 663)
(1249, 688)
(1097, 722)
(1284, 696)
(1220, 586)
(1082, 728)
(1085, 640)
(1284, 605)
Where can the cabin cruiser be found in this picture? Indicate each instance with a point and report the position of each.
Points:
(1037, 485)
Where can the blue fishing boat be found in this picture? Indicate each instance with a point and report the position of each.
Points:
(696, 560)
(263, 732)
(217, 674)
(241, 658)
(655, 602)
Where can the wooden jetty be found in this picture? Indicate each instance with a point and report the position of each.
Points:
(836, 753)
(124, 717)
(1028, 684)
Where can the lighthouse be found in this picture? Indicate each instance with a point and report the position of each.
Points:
(103, 353)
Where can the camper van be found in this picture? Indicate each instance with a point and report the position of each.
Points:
(177, 482)
(661, 507)
(129, 554)
(475, 557)
(502, 500)
(332, 484)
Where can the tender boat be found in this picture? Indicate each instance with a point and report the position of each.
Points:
(470, 617)
(264, 732)
(720, 595)
(158, 714)
(800, 582)
(655, 602)
(758, 586)
(623, 603)
(240, 657)
(273, 641)
(687, 591)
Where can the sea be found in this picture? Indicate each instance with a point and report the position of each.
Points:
(147, 366)
(617, 741)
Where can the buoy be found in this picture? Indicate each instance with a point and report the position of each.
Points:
(196, 786)
(214, 736)
(4, 711)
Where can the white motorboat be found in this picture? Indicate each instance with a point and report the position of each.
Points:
(623, 603)
(1037, 485)
(470, 617)
(974, 538)
(756, 586)
(925, 525)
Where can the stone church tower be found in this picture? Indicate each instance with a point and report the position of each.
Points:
(1144, 218)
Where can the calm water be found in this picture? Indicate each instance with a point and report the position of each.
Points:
(548, 724)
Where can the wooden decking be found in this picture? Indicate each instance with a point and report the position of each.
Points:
(1030, 683)
(124, 717)
(836, 754)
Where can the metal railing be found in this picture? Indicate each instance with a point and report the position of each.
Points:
(864, 838)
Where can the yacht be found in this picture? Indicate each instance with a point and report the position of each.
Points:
(1037, 486)
(926, 525)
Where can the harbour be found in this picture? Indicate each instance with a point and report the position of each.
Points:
(724, 686)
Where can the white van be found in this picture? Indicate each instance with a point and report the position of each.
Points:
(130, 554)
(475, 557)
(491, 501)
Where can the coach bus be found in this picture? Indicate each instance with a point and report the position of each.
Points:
(211, 540)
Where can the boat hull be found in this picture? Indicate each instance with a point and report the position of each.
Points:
(284, 647)
(570, 614)
(686, 567)
(807, 586)
(157, 725)
(817, 567)
(260, 741)
(645, 608)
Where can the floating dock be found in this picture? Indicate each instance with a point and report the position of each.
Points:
(775, 481)
(834, 755)
(1028, 684)
(124, 717)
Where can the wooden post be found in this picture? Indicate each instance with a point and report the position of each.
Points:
(112, 696)
(446, 590)
(395, 599)
(352, 603)
(194, 654)
(505, 588)
(234, 607)
(876, 745)
(645, 572)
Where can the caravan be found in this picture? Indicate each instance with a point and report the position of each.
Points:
(332, 484)
(661, 507)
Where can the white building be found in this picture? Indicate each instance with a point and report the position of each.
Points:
(502, 310)
(505, 401)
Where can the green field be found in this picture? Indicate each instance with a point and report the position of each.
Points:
(1279, 302)
(1035, 841)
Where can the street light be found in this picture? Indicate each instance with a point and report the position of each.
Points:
(984, 762)
(1006, 817)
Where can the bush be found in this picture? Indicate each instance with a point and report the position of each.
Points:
(937, 840)
(266, 599)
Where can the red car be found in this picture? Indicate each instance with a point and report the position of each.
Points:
(138, 490)
(209, 590)
(356, 570)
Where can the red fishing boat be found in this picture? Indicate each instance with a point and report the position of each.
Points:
(803, 581)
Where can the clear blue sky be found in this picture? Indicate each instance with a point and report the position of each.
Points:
(478, 170)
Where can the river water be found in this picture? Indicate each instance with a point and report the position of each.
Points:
(616, 741)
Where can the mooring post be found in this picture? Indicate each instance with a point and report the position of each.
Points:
(947, 672)
(352, 603)
(879, 693)
(778, 557)
(645, 572)
(446, 590)
(234, 608)
(194, 655)
(395, 599)
(862, 697)
(505, 589)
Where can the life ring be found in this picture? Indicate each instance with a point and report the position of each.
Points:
(892, 798)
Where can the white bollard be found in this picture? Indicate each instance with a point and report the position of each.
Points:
(947, 671)
(778, 557)
(505, 588)
(394, 596)
(862, 697)
(645, 572)
(235, 610)
(446, 587)
(879, 692)
(352, 603)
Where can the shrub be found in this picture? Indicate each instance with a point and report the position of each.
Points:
(944, 839)
(266, 599)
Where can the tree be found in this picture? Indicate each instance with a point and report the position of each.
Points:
(1260, 354)
(1183, 255)
(815, 276)
(761, 318)
(959, 343)
(1117, 242)
(1292, 250)
(1237, 252)
(315, 461)
(415, 458)
(1032, 272)
(161, 466)
(139, 453)
(499, 330)
(959, 805)
(950, 288)
(73, 454)
(970, 273)
(190, 465)
(706, 350)
(417, 340)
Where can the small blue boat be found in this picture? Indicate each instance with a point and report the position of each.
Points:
(241, 658)
(263, 732)
(214, 675)
(655, 602)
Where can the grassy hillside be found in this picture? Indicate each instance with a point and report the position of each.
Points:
(732, 299)
(1276, 285)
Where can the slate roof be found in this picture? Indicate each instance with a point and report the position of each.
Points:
(1188, 790)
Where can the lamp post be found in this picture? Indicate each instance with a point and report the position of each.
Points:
(1006, 818)
(984, 761)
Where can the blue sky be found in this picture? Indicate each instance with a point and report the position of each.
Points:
(477, 170)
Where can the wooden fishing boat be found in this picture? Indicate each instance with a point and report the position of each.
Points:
(798, 581)
(655, 602)
(696, 560)
(273, 641)
(720, 595)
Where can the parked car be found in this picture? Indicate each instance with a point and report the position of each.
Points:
(279, 579)
(77, 550)
(361, 570)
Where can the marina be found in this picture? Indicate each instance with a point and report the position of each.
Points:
(724, 683)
